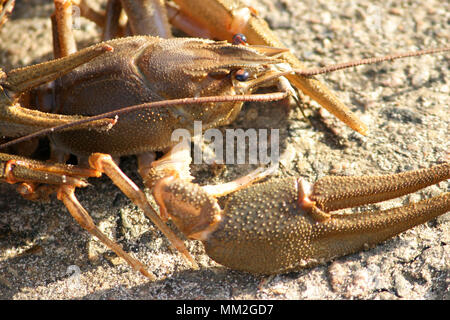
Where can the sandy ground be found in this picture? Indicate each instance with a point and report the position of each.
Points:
(44, 254)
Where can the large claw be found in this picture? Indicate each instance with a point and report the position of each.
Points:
(16, 120)
(275, 227)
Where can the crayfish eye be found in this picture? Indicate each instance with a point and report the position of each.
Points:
(241, 75)
(239, 38)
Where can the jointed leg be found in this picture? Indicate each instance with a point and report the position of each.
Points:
(220, 190)
(66, 194)
(112, 27)
(175, 162)
(63, 39)
(39, 179)
(105, 164)
(147, 17)
(36, 179)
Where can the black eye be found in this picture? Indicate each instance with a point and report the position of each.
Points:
(241, 75)
(239, 38)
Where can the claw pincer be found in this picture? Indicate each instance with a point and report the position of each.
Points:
(269, 228)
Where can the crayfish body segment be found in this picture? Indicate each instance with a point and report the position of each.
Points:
(137, 72)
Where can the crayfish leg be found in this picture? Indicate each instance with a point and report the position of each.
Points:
(36, 180)
(175, 162)
(220, 190)
(16, 120)
(182, 21)
(23, 79)
(104, 163)
(89, 13)
(15, 169)
(62, 21)
(67, 196)
(147, 17)
(112, 28)
(6, 7)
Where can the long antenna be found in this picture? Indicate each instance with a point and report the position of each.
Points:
(241, 98)
(165, 103)
(346, 65)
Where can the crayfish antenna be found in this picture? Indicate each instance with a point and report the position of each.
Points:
(350, 64)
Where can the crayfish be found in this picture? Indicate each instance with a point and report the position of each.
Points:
(248, 230)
